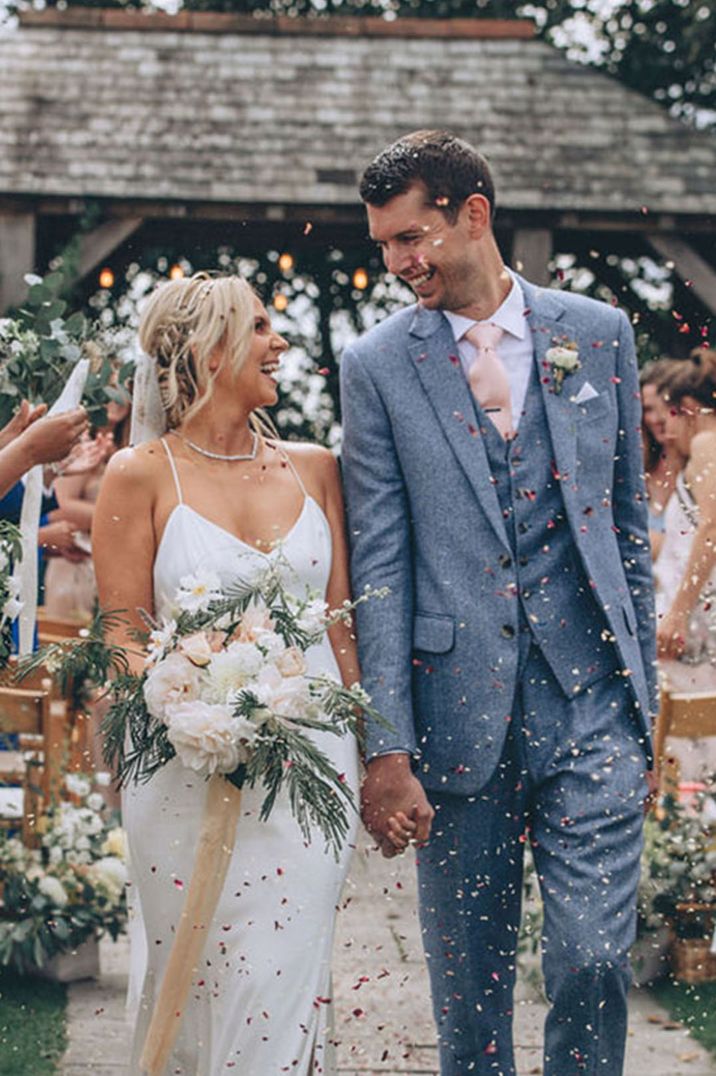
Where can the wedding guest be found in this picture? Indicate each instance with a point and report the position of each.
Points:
(686, 567)
(32, 437)
(70, 587)
(662, 458)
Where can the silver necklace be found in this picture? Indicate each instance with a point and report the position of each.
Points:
(218, 455)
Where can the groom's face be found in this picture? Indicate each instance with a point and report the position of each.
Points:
(424, 249)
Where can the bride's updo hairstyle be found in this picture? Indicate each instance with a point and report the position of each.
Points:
(181, 326)
(696, 377)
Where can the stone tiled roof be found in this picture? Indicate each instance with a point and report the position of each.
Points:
(292, 118)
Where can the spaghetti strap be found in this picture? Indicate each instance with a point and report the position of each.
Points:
(173, 466)
(296, 475)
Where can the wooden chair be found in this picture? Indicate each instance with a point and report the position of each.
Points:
(37, 765)
(53, 629)
(685, 715)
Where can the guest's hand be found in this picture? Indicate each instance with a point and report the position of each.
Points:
(671, 635)
(87, 454)
(652, 788)
(23, 417)
(391, 792)
(58, 540)
(54, 436)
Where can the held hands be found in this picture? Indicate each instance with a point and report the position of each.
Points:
(394, 807)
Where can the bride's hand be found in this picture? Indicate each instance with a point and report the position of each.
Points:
(401, 831)
(390, 789)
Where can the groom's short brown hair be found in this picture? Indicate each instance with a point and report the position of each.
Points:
(449, 168)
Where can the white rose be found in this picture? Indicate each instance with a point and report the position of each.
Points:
(55, 855)
(231, 669)
(563, 358)
(291, 662)
(172, 680)
(196, 649)
(54, 890)
(271, 644)
(204, 736)
(95, 802)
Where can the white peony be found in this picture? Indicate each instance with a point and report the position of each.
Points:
(205, 736)
(286, 696)
(171, 681)
(196, 592)
(111, 874)
(54, 890)
(95, 801)
(231, 669)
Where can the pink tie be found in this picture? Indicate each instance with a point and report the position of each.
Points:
(488, 378)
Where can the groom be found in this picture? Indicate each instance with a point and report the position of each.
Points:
(492, 466)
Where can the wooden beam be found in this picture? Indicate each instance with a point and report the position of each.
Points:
(17, 256)
(97, 245)
(689, 265)
(531, 251)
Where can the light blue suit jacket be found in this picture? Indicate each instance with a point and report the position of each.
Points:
(424, 521)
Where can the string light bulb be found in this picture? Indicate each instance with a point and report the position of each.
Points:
(280, 302)
(286, 262)
(106, 278)
(176, 272)
(360, 279)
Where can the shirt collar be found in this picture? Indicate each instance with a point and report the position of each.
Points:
(510, 315)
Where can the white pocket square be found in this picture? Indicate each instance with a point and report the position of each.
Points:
(587, 392)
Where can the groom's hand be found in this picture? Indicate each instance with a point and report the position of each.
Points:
(390, 787)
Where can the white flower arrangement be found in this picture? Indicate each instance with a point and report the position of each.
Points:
(227, 689)
(69, 889)
(10, 600)
(563, 359)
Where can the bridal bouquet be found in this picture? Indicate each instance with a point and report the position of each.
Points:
(227, 688)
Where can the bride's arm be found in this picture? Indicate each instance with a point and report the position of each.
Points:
(123, 545)
(342, 635)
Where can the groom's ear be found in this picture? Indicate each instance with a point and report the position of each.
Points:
(478, 213)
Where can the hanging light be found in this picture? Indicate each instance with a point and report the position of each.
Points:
(286, 262)
(106, 278)
(360, 279)
(176, 272)
(280, 301)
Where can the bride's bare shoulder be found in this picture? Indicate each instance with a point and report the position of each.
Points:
(138, 468)
(312, 460)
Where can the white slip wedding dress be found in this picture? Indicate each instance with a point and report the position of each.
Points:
(261, 1002)
(697, 670)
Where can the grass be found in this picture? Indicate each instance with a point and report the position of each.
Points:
(692, 1005)
(32, 1025)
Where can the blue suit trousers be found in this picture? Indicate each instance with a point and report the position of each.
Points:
(571, 782)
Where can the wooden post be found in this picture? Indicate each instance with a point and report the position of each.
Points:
(17, 256)
(531, 251)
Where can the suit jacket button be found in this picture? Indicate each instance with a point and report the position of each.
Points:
(505, 560)
(507, 631)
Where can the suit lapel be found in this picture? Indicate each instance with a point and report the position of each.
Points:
(545, 318)
(436, 360)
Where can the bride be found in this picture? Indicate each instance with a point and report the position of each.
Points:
(218, 493)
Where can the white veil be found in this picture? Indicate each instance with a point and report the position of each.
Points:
(149, 420)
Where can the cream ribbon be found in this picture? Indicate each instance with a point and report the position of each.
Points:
(30, 515)
(213, 855)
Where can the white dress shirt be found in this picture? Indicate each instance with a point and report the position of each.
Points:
(515, 349)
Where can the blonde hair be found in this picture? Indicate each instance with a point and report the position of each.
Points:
(182, 325)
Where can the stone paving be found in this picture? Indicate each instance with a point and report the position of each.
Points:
(381, 1003)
